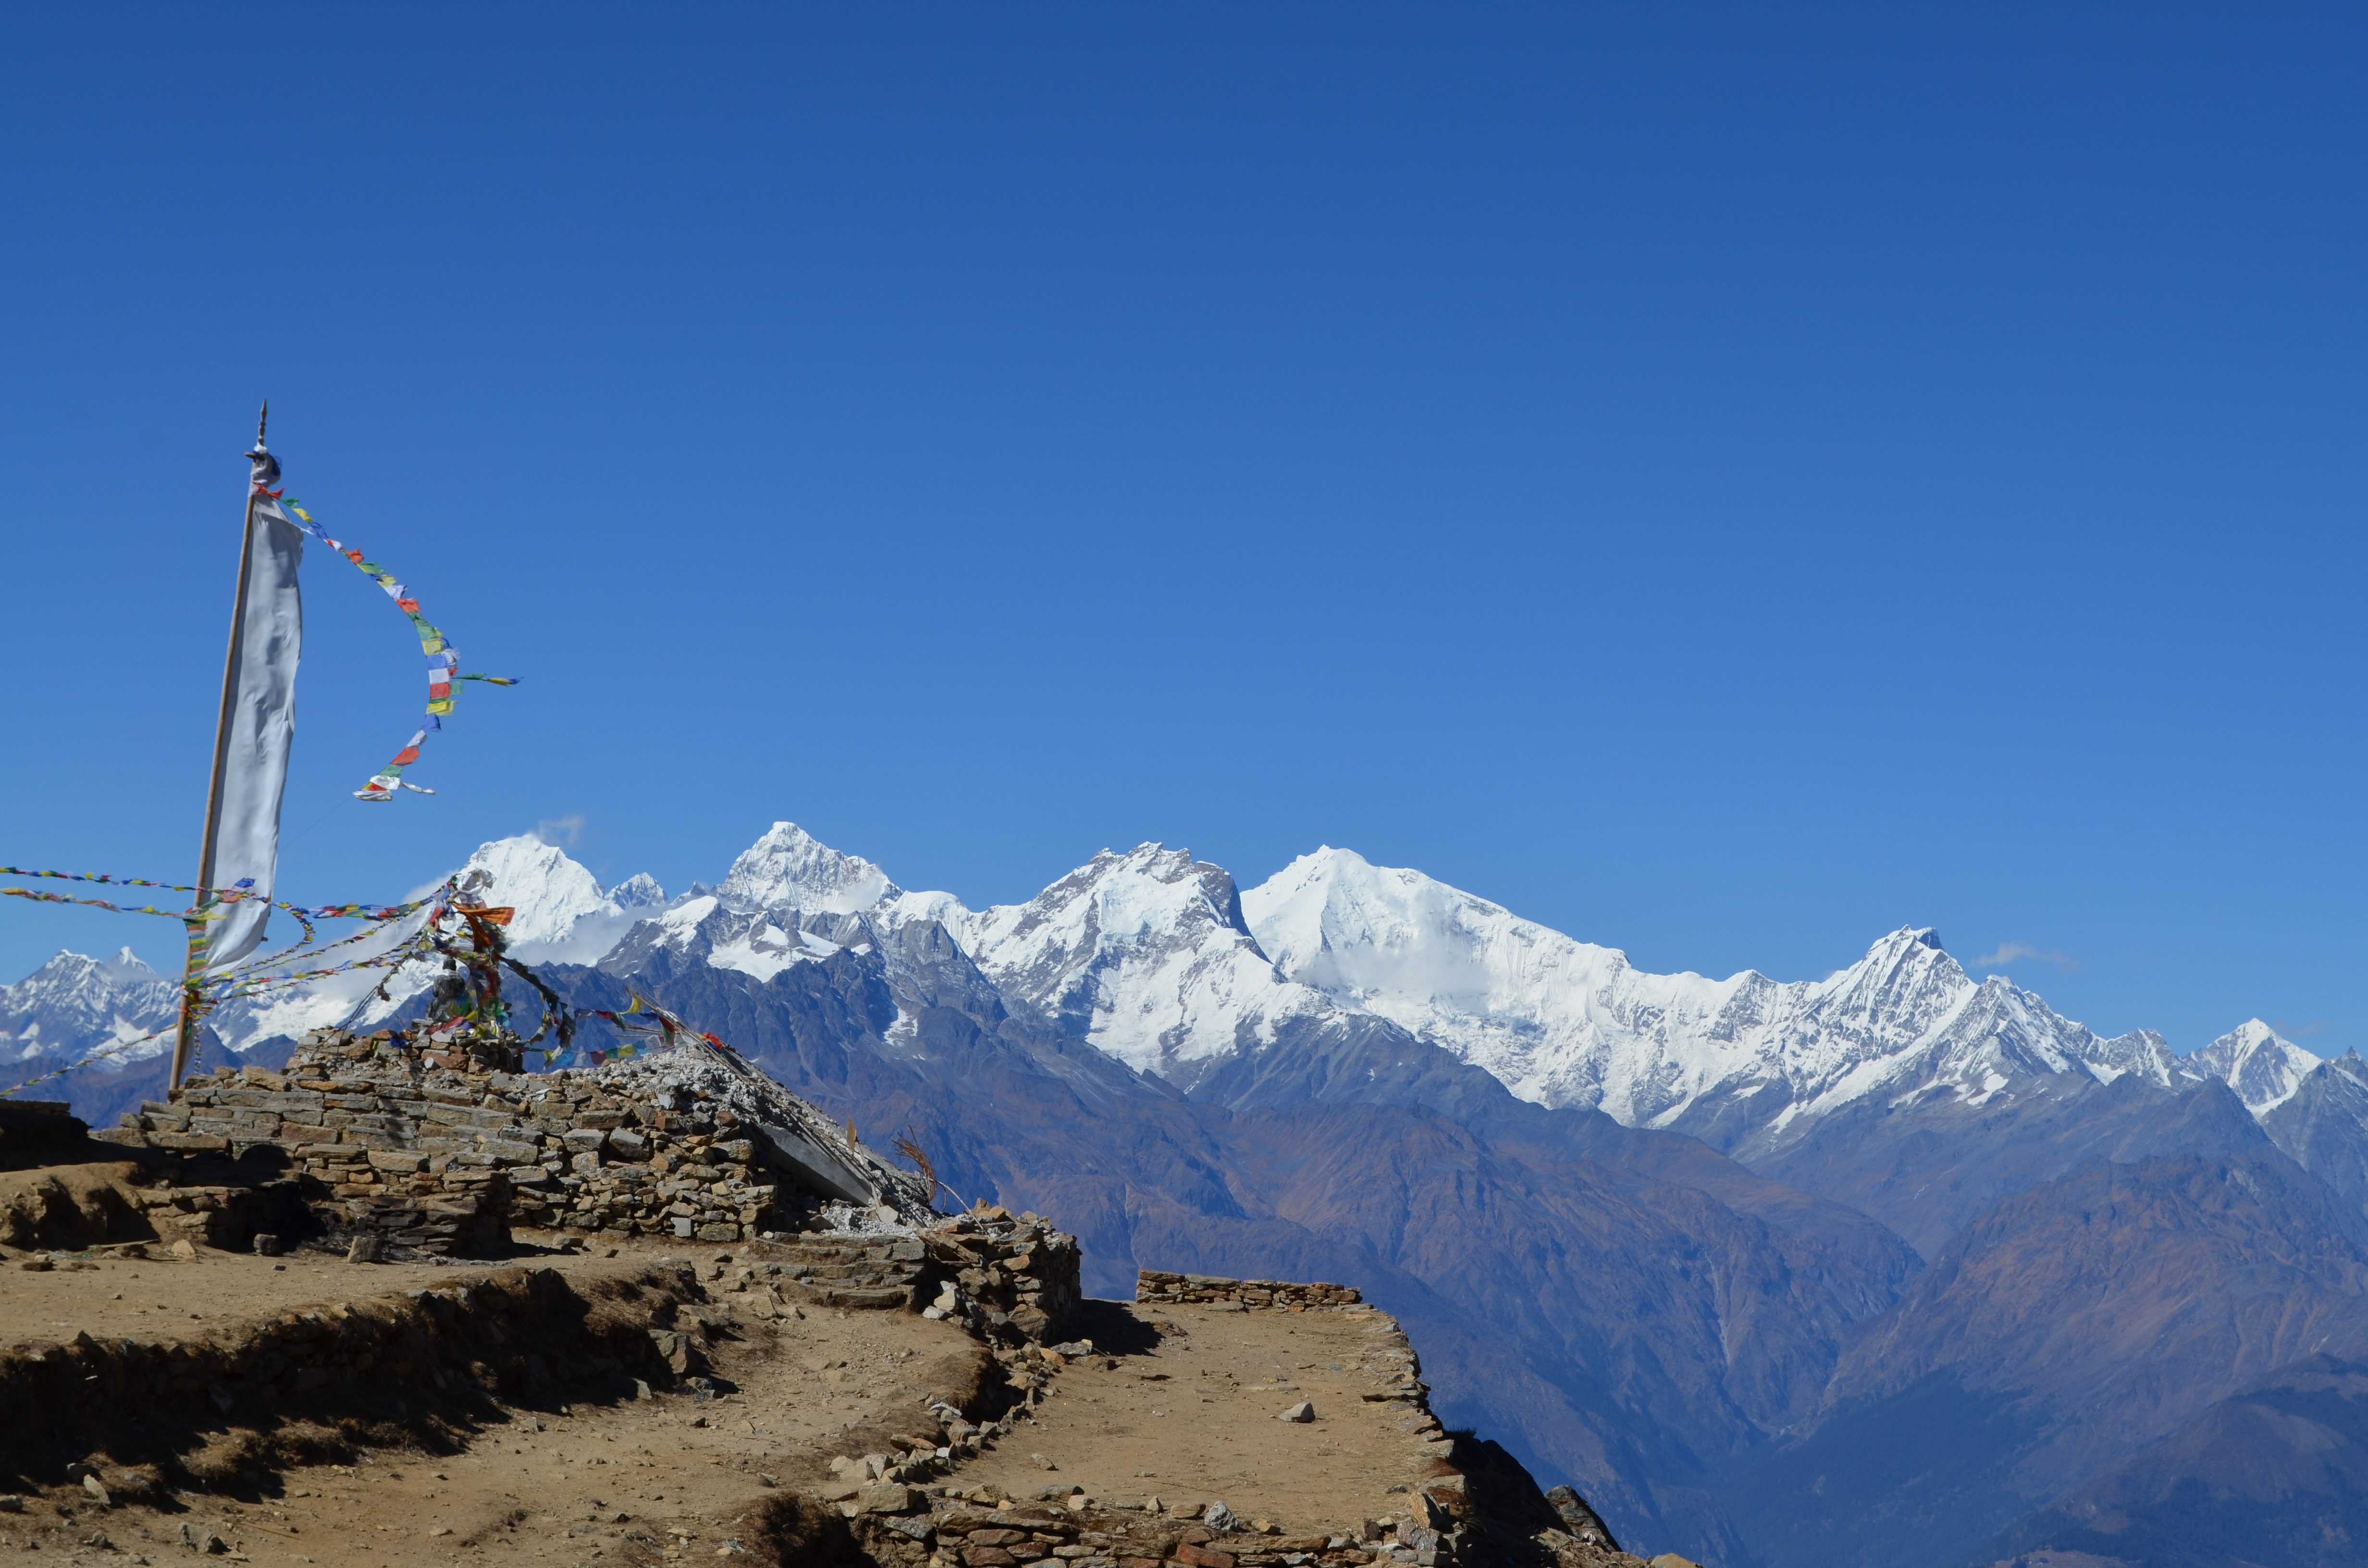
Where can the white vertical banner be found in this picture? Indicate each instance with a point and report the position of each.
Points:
(260, 699)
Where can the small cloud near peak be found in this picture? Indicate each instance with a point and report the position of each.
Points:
(561, 833)
(2015, 952)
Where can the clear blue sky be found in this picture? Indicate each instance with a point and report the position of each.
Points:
(1724, 482)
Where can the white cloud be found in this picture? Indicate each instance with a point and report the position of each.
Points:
(562, 833)
(2014, 953)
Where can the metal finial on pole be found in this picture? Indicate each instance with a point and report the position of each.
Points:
(261, 419)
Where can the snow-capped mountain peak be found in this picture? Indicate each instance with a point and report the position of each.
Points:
(640, 891)
(1564, 1022)
(75, 1003)
(1146, 954)
(1337, 922)
(126, 968)
(550, 891)
(789, 869)
(1159, 960)
(562, 916)
(2261, 1065)
(2147, 1054)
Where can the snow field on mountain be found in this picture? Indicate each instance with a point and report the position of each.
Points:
(74, 1004)
(1143, 949)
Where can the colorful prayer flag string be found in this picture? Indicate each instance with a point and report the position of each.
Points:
(99, 1055)
(324, 912)
(647, 1025)
(203, 993)
(442, 663)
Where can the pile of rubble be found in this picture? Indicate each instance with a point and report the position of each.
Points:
(1012, 1280)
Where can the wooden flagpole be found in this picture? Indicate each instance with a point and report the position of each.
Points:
(185, 1040)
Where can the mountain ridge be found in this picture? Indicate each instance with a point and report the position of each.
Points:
(1162, 961)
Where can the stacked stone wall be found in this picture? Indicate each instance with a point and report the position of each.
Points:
(1011, 1279)
(1014, 1281)
(444, 1151)
(1152, 1286)
(453, 1345)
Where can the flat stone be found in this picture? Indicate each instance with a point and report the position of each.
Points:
(1302, 1412)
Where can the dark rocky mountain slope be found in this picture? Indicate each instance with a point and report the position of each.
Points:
(2276, 1476)
(1926, 1168)
(2064, 1330)
(2324, 1125)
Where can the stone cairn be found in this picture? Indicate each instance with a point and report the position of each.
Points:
(445, 1149)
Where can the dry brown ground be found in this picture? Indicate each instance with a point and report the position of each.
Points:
(1185, 1416)
(547, 1487)
(1195, 1419)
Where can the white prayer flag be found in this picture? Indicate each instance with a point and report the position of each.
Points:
(252, 768)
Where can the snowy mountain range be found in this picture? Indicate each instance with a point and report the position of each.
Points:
(1697, 1245)
(1158, 959)
(1564, 1022)
(75, 1005)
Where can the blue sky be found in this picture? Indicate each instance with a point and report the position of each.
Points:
(1723, 483)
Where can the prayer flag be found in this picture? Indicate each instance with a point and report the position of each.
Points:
(252, 773)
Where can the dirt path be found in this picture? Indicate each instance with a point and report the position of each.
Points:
(1179, 1404)
(622, 1481)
